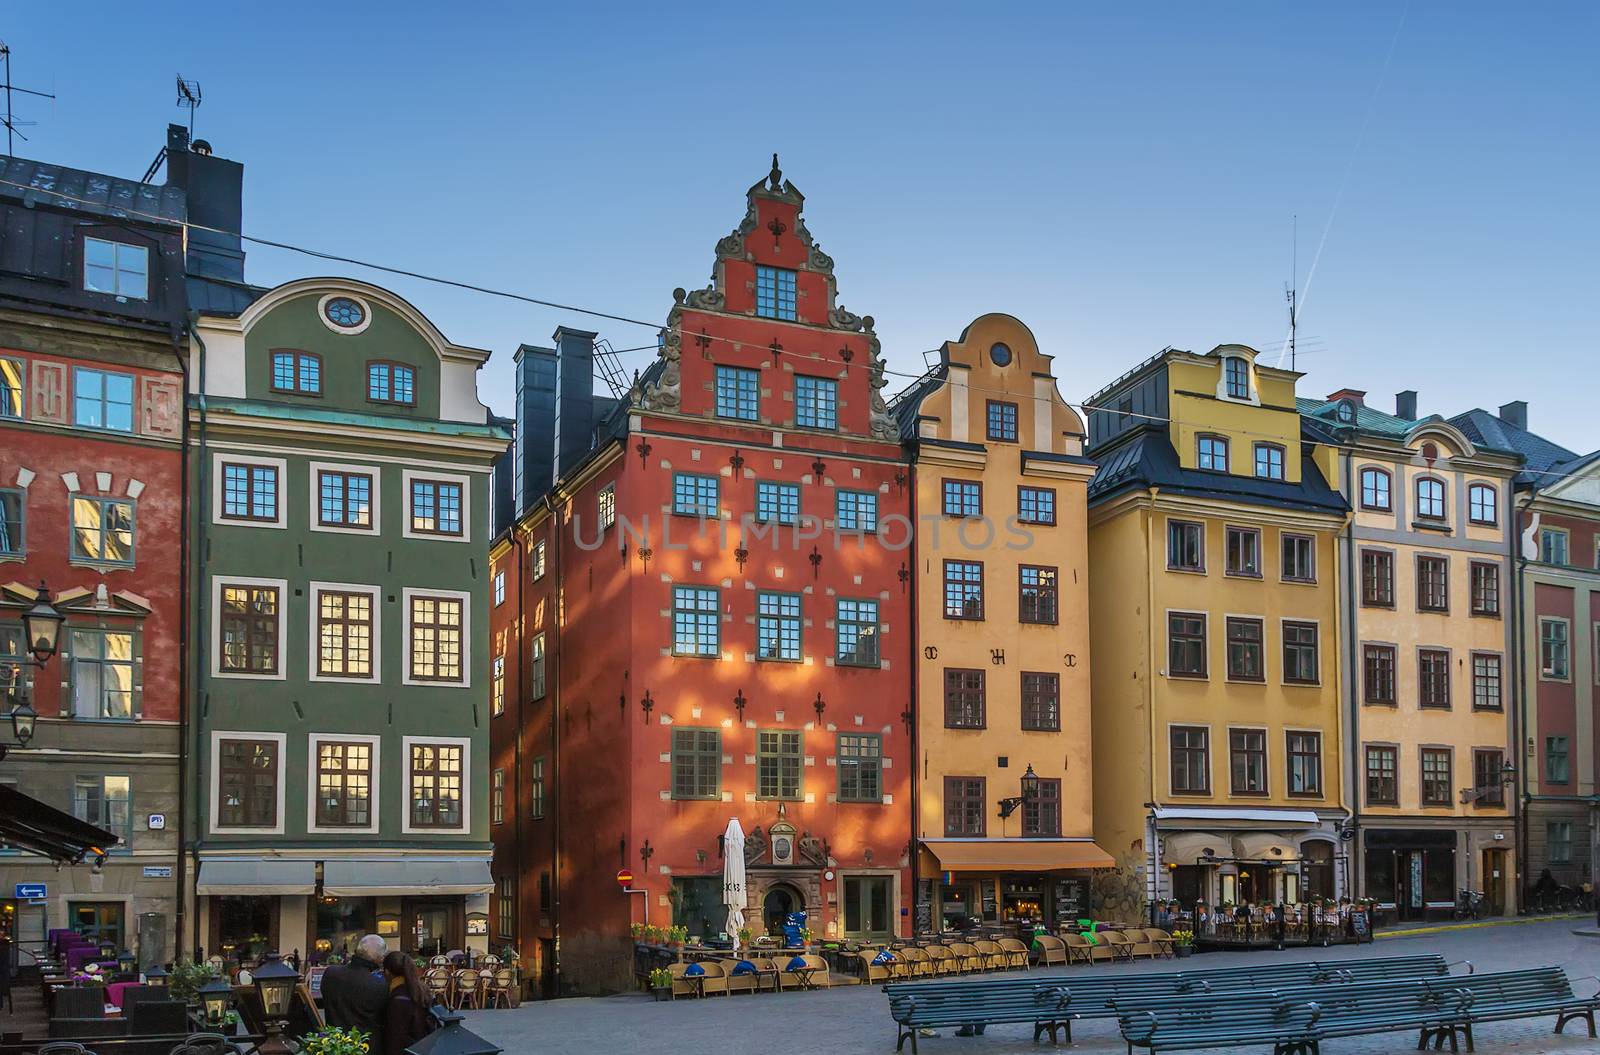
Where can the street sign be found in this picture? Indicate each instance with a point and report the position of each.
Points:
(31, 891)
(158, 871)
(624, 878)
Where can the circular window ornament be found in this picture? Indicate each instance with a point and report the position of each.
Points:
(1000, 354)
(1347, 412)
(343, 313)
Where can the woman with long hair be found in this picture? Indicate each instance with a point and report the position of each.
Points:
(406, 1018)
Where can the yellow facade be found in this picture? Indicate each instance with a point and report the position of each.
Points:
(1215, 616)
(1032, 709)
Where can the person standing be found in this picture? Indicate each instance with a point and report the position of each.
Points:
(354, 994)
(406, 1019)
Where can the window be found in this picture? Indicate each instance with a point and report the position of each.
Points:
(696, 764)
(1485, 588)
(694, 495)
(1186, 546)
(1375, 490)
(538, 560)
(344, 499)
(437, 771)
(497, 810)
(738, 393)
(1214, 453)
(1041, 815)
(1036, 505)
(777, 503)
(297, 372)
(816, 402)
(778, 626)
(859, 759)
(249, 629)
(1186, 645)
(344, 312)
(106, 802)
(965, 811)
(1236, 377)
(1305, 763)
(102, 530)
(1036, 600)
(1244, 552)
(963, 589)
(1300, 653)
(857, 628)
(1041, 702)
(344, 784)
(11, 388)
(1382, 783)
(102, 674)
(102, 400)
(117, 268)
(16, 667)
(778, 764)
(775, 293)
(1433, 584)
(1299, 558)
(1558, 842)
(857, 511)
(963, 498)
(1483, 504)
(247, 775)
(696, 622)
(536, 788)
(1245, 650)
(249, 492)
(436, 638)
(1433, 678)
(1557, 760)
(1247, 761)
(963, 699)
(536, 687)
(1378, 668)
(1486, 689)
(497, 685)
(1487, 773)
(1436, 779)
(1430, 498)
(1377, 578)
(1269, 461)
(1191, 760)
(391, 383)
(344, 633)
(435, 507)
(12, 539)
(1002, 421)
(1554, 655)
(1553, 546)
(499, 588)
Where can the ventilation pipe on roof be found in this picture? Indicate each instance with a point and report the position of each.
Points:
(1515, 413)
(1405, 404)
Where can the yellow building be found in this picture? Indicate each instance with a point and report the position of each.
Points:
(1427, 640)
(1214, 548)
(1003, 812)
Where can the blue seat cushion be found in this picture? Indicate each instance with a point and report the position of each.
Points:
(744, 967)
(796, 964)
(884, 956)
(694, 969)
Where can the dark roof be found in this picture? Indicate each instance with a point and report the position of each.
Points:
(214, 296)
(1147, 459)
(908, 404)
(1540, 456)
(91, 192)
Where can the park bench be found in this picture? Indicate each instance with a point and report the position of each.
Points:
(976, 1001)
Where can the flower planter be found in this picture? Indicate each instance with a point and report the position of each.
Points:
(661, 992)
(1183, 952)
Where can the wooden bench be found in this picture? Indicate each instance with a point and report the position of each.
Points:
(986, 1001)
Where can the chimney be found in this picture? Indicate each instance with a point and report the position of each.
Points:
(533, 442)
(1354, 395)
(502, 499)
(214, 189)
(574, 419)
(1405, 404)
(1515, 413)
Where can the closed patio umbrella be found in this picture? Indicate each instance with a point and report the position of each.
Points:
(733, 893)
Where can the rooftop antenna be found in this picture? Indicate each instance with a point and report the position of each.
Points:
(189, 95)
(1289, 292)
(10, 120)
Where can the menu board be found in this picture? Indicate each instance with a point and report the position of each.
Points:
(1069, 899)
(1360, 925)
(991, 899)
(314, 980)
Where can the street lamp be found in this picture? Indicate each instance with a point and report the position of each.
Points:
(1030, 791)
(156, 975)
(43, 625)
(452, 1038)
(275, 982)
(214, 997)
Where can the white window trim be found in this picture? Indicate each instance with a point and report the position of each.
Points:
(497, 587)
(408, 475)
(280, 464)
(1250, 379)
(314, 509)
(312, 743)
(217, 583)
(219, 735)
(115, 270)
(314, 648)
(467, 644)
(1538, 648)
(345, 331)
(465, 743)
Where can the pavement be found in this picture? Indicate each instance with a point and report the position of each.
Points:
(854, 1020)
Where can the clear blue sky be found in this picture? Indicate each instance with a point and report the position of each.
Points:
(1121, 177)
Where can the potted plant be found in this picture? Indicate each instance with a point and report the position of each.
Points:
(1182, 943)
(636, 930)
(185, 979)
(744, 937)
(805, 937)
(677, 936)
(661, 984)
(335, 1041)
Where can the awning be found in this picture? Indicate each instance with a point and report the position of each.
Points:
(1214, 817)
(1018, 855)
(381, 876)
(1267, 847)
(31, 826)
(1187, 848)
(256, 875)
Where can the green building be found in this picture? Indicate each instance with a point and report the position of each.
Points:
(340, 468)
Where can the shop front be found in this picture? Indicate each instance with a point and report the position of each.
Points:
(1220, 857)
(1410, 873)
(1022, 883)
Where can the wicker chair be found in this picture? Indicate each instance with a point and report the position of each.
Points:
(1120, 945)
(1078, 949)
(1161, 940)
(500, 982)
(468, 989)
(943, 960)
(994, 957)
(968, 956)
(1016, 953)
(437, 979)
(1052, 950)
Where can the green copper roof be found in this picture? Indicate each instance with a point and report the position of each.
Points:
(252, 408)
(1367, 419)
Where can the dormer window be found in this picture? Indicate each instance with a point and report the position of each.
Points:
(297, 372)
(1347, 412)
(1214, 453)
(116, 268)
(775, 293)
(1236, 375)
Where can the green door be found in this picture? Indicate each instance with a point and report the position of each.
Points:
(866, 907)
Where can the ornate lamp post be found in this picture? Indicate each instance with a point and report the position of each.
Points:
(1030, 791)
(452, 1038)
(275, 982)
(41, 625)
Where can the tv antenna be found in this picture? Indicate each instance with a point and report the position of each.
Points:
(1289, 292)
(189, 95)
(10, 120)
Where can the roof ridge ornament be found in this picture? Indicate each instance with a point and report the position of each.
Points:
(775, 177)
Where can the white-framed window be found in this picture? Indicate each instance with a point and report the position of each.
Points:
(342, 777)
(248, 491)
(106, 801)
(438, 505)
(13, 388)
(345, 499)
(536, 685)
(497, 686)
(345, 632)
(103, 673)
(538, 560)
(1553, 546)
(117, 268)
(437, 637)
(248, 624)
(102, 530)
(499, 588)
(438, 784)
(102, 399)
(1236, 377)
(1555, 649)
(606, 506)
(247, 786)
(1483, 504)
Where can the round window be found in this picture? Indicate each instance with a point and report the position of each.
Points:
(1347, 412)
(342, 311)
(1000, 354)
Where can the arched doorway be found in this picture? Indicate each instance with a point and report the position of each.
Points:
(780, 900)
(1316, 857)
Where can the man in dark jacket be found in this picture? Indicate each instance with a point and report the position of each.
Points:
(354, 994)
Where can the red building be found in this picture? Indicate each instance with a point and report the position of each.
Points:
(706, 617)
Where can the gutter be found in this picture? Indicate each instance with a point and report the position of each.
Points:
(180, 871)
(1521, 801)
(1353, 752)
(913, 722)
(203, 546)
(553, 689)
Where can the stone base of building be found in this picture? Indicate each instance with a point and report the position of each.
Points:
(130, 903)
(1561, 836)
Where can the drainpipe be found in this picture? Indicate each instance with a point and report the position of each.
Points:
(1519, 568)
(1352, 751)
(180, 873)
(1152, 673)
(519, 857)
(202, 541)
(914, 711)
(553, 690)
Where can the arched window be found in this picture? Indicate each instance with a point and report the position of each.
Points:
(297, 372)
(1483, 504)
(1430, 498)
(1236, 374)
(1375, 489)
(1269, 461)
(1214, 453)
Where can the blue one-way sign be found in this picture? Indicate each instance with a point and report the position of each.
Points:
(31, 891)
